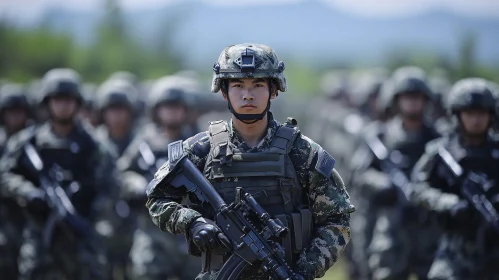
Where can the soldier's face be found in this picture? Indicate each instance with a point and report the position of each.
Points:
(249, 96)
(411, 105)
(117, 116)
(15, 118)
(63, 108)
(173, 115)
(475, 121)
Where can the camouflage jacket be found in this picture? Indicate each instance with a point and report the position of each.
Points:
(330, 203)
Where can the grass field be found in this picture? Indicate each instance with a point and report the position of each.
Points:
(337, 272)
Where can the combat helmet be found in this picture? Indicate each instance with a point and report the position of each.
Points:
(61, 82)
(116, 93)
(471, 93)
(13, 96)
(410, 79)
(249, 61)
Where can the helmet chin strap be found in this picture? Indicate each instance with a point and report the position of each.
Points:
(249, 118)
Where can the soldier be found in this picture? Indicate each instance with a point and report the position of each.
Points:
(115, 99)
(250, 76)
(392, 147)
(63, 156)
(14, 116)
(115, 102)
(469, 248)
(155, 255)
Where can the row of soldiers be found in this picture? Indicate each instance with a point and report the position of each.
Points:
(420, 157)
(102, 152)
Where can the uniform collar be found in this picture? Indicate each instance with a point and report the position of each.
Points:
(236, 139)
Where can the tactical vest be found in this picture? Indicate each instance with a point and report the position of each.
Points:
(74, 157)
(269, 176)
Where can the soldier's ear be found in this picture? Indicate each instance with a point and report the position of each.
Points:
(224, 95)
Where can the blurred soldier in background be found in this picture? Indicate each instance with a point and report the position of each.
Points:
(14, 116)
(469, 248)
(155, 254)
(391, 147)
(61, 155)
(115, 101)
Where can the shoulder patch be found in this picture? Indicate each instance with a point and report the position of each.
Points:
(325, 163)
(175, 152)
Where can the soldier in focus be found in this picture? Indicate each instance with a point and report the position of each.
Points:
(229, 154)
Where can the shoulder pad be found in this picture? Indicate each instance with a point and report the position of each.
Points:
(194, 139)
(325, 163)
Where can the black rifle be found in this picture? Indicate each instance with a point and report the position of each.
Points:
(63, 213)
(152, 163)
(474, 188)
(248, 244)
(396, 175)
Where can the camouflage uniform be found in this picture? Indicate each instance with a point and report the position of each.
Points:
(386, 231)
(11, 221)
(153, 255)
(468, 248)
(84, 163)
(308, 170)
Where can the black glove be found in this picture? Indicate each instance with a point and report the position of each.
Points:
(37, 205)
(386, 196)
(206, 235)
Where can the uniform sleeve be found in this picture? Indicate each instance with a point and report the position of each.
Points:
(427, 185)
(164, 203)
(13, 184)
(331, 208)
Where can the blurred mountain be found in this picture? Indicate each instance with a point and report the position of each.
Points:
(304, 30)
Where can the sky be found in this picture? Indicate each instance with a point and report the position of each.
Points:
(33, 9)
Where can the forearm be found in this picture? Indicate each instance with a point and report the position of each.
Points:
(432, 198)
(326, 246)
(171, 216)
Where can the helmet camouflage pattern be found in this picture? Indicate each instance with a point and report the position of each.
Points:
(248, 61)
(471, 93)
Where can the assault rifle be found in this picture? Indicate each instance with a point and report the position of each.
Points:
(474, 188)
(249, 244)
(63, 213)
(396, 175)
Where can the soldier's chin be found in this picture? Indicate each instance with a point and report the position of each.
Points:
(68, 120)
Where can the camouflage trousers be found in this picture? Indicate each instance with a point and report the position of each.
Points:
(460, 258)
(161, 255)
(401, 247)
(62, 259)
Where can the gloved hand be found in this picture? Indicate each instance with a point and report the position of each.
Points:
(206, 235)
(387, 196)
(37, 205)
